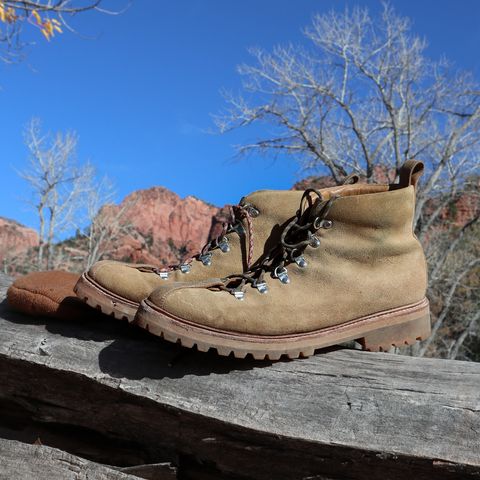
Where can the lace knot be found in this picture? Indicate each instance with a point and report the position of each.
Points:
(295, 237)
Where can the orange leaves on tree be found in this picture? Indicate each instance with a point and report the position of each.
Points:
(7, 14)
(48, 26)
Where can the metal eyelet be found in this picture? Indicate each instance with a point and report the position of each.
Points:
(206, 259)
(252, 211)
(282, 275)
(262, 287)
(238, 228)
(314, 241)
(300, 261)
(322, 223)
(327, 224)
(163, 275)
(224, 245)
(238, 294)
(185, 268)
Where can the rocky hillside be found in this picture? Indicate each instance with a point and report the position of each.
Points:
(158, 227)
(163, 226)
(380, 175)
(15, 238)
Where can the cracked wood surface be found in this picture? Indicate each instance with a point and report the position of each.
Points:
(37, 462)
(341, 414)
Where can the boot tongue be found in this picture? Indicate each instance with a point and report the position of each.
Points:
(283, 204)
(319, 207)
(276, 203)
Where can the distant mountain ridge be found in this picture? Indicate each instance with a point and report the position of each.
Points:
(164, 228)
(15, 238)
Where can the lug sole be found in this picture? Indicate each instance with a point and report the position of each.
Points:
(101, 299)
(377, 332)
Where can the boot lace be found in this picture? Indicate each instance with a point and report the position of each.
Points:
(296, 237)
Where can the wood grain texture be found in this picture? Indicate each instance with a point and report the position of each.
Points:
(156, 471)
(19, 461)
(340, 414)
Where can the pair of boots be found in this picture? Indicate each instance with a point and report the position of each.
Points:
(291, 272)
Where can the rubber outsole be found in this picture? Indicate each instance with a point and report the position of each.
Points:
(377, 332)
(105, 301)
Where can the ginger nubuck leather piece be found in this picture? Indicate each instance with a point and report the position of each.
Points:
(346, 267)
(48, 294)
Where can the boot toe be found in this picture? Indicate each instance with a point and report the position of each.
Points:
(123, 280)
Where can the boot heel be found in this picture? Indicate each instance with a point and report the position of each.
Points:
(406, 333)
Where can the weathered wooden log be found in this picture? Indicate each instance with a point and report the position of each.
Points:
(155, 471)
(37, 462)
(112, 393)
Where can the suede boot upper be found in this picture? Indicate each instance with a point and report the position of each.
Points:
(366, 260)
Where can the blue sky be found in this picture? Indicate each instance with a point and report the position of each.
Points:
(141, 93)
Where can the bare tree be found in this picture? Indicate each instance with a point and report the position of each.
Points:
(471, 330)
(361, 95)
(108, 223)
(58, 186)
(50, 17)
(66, 197)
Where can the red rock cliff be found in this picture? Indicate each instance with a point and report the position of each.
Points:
(15, 238)
(164, 226)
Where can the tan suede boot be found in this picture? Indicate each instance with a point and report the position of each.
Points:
(347, 267)
(117, 288)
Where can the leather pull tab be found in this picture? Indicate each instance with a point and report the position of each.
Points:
(351, 179)
(410, 173)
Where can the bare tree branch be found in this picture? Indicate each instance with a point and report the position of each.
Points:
(59, 186)
(48, 16)
(458, 343)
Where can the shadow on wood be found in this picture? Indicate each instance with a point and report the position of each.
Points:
(22, 461)
(111, 393)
